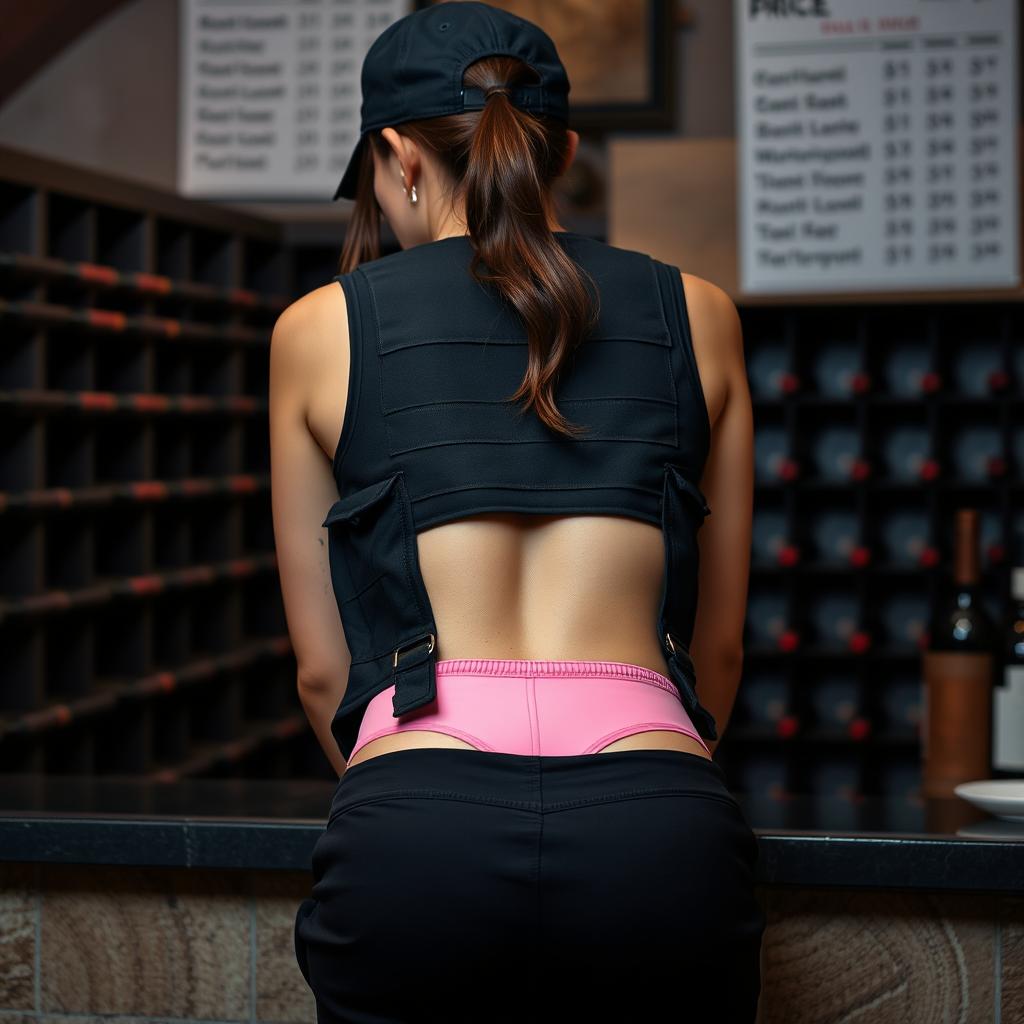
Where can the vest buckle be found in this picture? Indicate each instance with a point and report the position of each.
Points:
(680, 651)
(412, 645)
(683, 674)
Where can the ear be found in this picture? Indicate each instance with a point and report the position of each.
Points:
(405, 154)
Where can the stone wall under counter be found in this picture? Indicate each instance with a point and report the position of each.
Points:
(94, 942)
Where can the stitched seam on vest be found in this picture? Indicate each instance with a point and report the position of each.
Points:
(694, 384)
(590, 509)
(506, 486)
(668, 351)
(473, 339)
(355, 381)
(456, 441)
(380, 359)
(675, 398)
(621, 399)
(661, 298)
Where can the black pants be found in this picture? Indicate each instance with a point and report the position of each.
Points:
(464, 885)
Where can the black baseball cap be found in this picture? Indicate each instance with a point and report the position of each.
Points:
(415, 66)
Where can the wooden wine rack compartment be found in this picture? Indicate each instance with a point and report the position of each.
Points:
(140, 615)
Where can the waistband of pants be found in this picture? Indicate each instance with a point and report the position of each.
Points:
(531, 781)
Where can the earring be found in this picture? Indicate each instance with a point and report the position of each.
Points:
(413, 200)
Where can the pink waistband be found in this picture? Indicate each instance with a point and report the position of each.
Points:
(527, 667)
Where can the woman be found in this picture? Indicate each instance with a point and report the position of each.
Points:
(513, 838)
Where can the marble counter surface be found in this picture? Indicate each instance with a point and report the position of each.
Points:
(868, 842)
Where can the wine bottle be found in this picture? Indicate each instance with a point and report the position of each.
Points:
(956, 738)
(1008, 693)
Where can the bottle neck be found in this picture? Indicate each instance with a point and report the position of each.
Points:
(965, 550)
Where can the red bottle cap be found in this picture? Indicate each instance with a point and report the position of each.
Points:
(787, 726)
(859, 728)
(859, 641)
(860, 555)
(789, 640)
(789, 554)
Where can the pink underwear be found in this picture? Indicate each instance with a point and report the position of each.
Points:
(537, 707)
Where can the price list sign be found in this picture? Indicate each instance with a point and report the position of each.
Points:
(270, 94)
(877, 144)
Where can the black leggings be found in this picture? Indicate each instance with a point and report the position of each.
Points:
(453, 884)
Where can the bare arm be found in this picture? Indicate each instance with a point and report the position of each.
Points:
(728, 484)
(302, 490)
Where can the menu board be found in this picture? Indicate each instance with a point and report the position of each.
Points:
(270, 94)
(877, 144)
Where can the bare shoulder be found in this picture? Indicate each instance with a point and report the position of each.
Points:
(714, 319)
(310, 361)
(307, 333)
(717, 341)
(316, 309)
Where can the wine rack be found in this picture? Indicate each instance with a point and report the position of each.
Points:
(873, 423)
(141, 623)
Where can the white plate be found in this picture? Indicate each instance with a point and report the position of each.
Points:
(1002, 797)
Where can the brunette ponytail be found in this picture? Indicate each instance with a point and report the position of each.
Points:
(502, 161)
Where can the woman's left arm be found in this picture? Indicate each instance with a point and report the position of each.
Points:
(727, 484)
(302, 490)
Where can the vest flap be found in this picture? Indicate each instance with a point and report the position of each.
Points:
(351, 505)
(690, 489)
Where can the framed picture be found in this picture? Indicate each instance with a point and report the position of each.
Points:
(619, 55)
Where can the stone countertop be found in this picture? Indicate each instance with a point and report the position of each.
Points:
(866, 842)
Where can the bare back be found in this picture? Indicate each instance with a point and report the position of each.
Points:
(511, 585)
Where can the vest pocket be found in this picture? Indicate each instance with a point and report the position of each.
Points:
(374, 568)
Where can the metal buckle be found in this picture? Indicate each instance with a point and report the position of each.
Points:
(412, 644)
(670, 644)
(681, 654)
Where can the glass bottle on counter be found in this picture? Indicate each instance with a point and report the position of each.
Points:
(956, 736)
(1008, 694)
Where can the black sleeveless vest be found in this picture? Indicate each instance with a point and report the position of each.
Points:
(428, 437)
